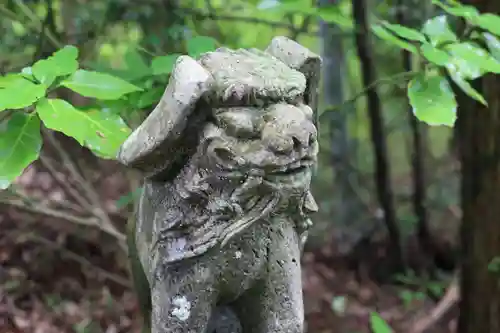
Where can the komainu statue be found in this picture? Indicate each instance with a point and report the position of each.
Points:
(227, 157)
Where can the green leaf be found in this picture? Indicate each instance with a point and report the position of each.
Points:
(102, 132)
(435, 55)
(404, 32)
(494, 265)
(438, 30)
(333, 14)
(98, 85)
(123, 74)
(382, 33)
(27, 72)
(150, 97)
(61, 63)
(20, 93)
(436, 288)
(136, 66)
(420, 296)
(472, 61)
(490, 22)
(9, 79)
(61, 116)
(20, 144)
(107, 134)
(163, 64)
(406, 296)
(378, 324)
(432, 100)
(289, 6)
(493, 44)
(458, 9)
(199, 45)
(117, 106)
(467, 87)
(328, 13)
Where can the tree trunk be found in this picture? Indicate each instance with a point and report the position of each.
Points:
(479, 138)
(426, 244)
(346, 206)
(374, 105)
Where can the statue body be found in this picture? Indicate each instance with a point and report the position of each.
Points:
(227, 156)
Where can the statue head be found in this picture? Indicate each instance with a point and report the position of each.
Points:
(234, 131)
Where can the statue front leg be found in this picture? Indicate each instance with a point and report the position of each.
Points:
(274, 304)
(182, 297)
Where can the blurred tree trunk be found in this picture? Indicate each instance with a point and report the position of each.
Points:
(408, 15)
(346, 205)
(479, 146)
(377, 131)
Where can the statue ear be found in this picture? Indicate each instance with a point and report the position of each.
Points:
(310, 205)
(303, 60)
(169, 134)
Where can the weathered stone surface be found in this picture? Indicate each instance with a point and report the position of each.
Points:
(219, 229)
(302, 59)
(150, 147)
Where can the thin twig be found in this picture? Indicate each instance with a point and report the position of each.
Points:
(394, 79)
(81, 260)
(91, 193)
(8, 13)
(451, 298)
(197, 14)
(64, 183)
(43, 210)
(5, 115)
(38, 23)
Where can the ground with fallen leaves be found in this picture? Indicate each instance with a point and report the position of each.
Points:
(53, 282)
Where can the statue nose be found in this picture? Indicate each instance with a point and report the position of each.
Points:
(284, 142)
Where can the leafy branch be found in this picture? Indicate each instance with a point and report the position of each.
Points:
(393, 79)
(35, 23)
(450, 59)
(26, 109)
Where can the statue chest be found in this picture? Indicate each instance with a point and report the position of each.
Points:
(243, 261)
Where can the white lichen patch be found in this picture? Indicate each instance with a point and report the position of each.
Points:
(181, 308)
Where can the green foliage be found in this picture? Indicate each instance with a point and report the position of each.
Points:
(137, 67)
(20, 93)
(417, 288)
(102, 132)
(20, 144)
(25, 94)
(494, 265)
(200, 44)
(99, 126)
(379, 325)
(409, 296)
(330, 14)
(381, 32)
(432, 99)
(61, 63)
(438, 31)
(405, 32)
(493, 44)
(163, 64)
(98, 85)
(452, 60)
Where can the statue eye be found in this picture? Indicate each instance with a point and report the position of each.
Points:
(268, 117)
(239, 124)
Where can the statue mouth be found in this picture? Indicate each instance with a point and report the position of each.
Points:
(290, 171)
(297, 172)
(293, 168)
